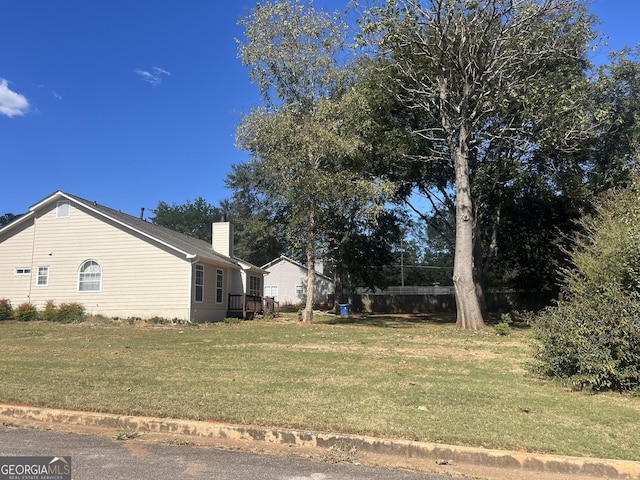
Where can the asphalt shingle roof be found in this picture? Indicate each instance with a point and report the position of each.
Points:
(179, 241)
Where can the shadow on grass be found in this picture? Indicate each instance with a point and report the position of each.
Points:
(392, 320)
(409, 320)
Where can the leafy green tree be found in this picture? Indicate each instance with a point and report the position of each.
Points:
(535, 228)
(305, 137)
(359, 252)
(540, 208)
(7, 218)
(427, 255)
(194, 218)
(259, 235)
(490, 80)
(612, 156)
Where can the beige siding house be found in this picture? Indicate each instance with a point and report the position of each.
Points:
(287, 282)
(67, 249)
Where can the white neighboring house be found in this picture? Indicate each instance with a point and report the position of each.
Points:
(287, 282)
(68, 249)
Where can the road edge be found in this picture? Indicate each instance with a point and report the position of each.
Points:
(400, 450)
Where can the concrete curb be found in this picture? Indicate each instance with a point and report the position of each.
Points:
(399, 449)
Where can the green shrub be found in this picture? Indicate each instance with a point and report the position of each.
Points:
(25, 312)
(6, 310)
(232, 320)
(591, 340)
(502, 328)
(70, 312)
(593, 343)
(50, 312)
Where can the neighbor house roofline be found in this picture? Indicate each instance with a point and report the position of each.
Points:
(294, 262)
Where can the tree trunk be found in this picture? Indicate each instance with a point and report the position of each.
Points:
(338, 286)
(484, 254)
(469, 313)
(307, 315)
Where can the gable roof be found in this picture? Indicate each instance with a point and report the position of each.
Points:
(190, 247)
(283, 258)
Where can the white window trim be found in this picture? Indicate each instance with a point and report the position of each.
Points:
(198, 268)
(253, 280)
(271, 291)
(45, 276)
(220, 288)
(22, 271)
(101, 275)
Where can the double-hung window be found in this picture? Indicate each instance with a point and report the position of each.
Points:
(255, 286)
(219, 285)
(271, 291)
(43, 277)
(199, 283)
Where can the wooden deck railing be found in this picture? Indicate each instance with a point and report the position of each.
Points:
(248, 306)
(271, 306)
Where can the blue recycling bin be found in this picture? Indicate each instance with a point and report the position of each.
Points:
(345, 310)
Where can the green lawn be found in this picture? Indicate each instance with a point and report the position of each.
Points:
(410, 378)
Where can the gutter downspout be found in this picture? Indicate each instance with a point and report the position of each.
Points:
(33, 252)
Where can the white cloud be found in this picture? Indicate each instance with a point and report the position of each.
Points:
(161, 71)
(153, 76)
(12, 104)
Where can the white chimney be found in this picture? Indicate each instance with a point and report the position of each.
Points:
(222, 238)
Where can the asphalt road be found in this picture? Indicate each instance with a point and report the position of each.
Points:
(98, 458)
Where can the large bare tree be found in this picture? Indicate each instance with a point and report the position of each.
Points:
(484, 75)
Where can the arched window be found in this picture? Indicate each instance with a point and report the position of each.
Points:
(90, 277)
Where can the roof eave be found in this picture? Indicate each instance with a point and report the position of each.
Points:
(61, 194)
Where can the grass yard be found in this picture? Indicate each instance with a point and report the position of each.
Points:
(414, 378)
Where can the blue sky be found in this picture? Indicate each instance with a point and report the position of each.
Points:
(132, 102)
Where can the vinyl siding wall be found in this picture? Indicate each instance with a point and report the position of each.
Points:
(138, 279)
(15, 251)
(286, 276)
(209, 310)
(236, 283)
